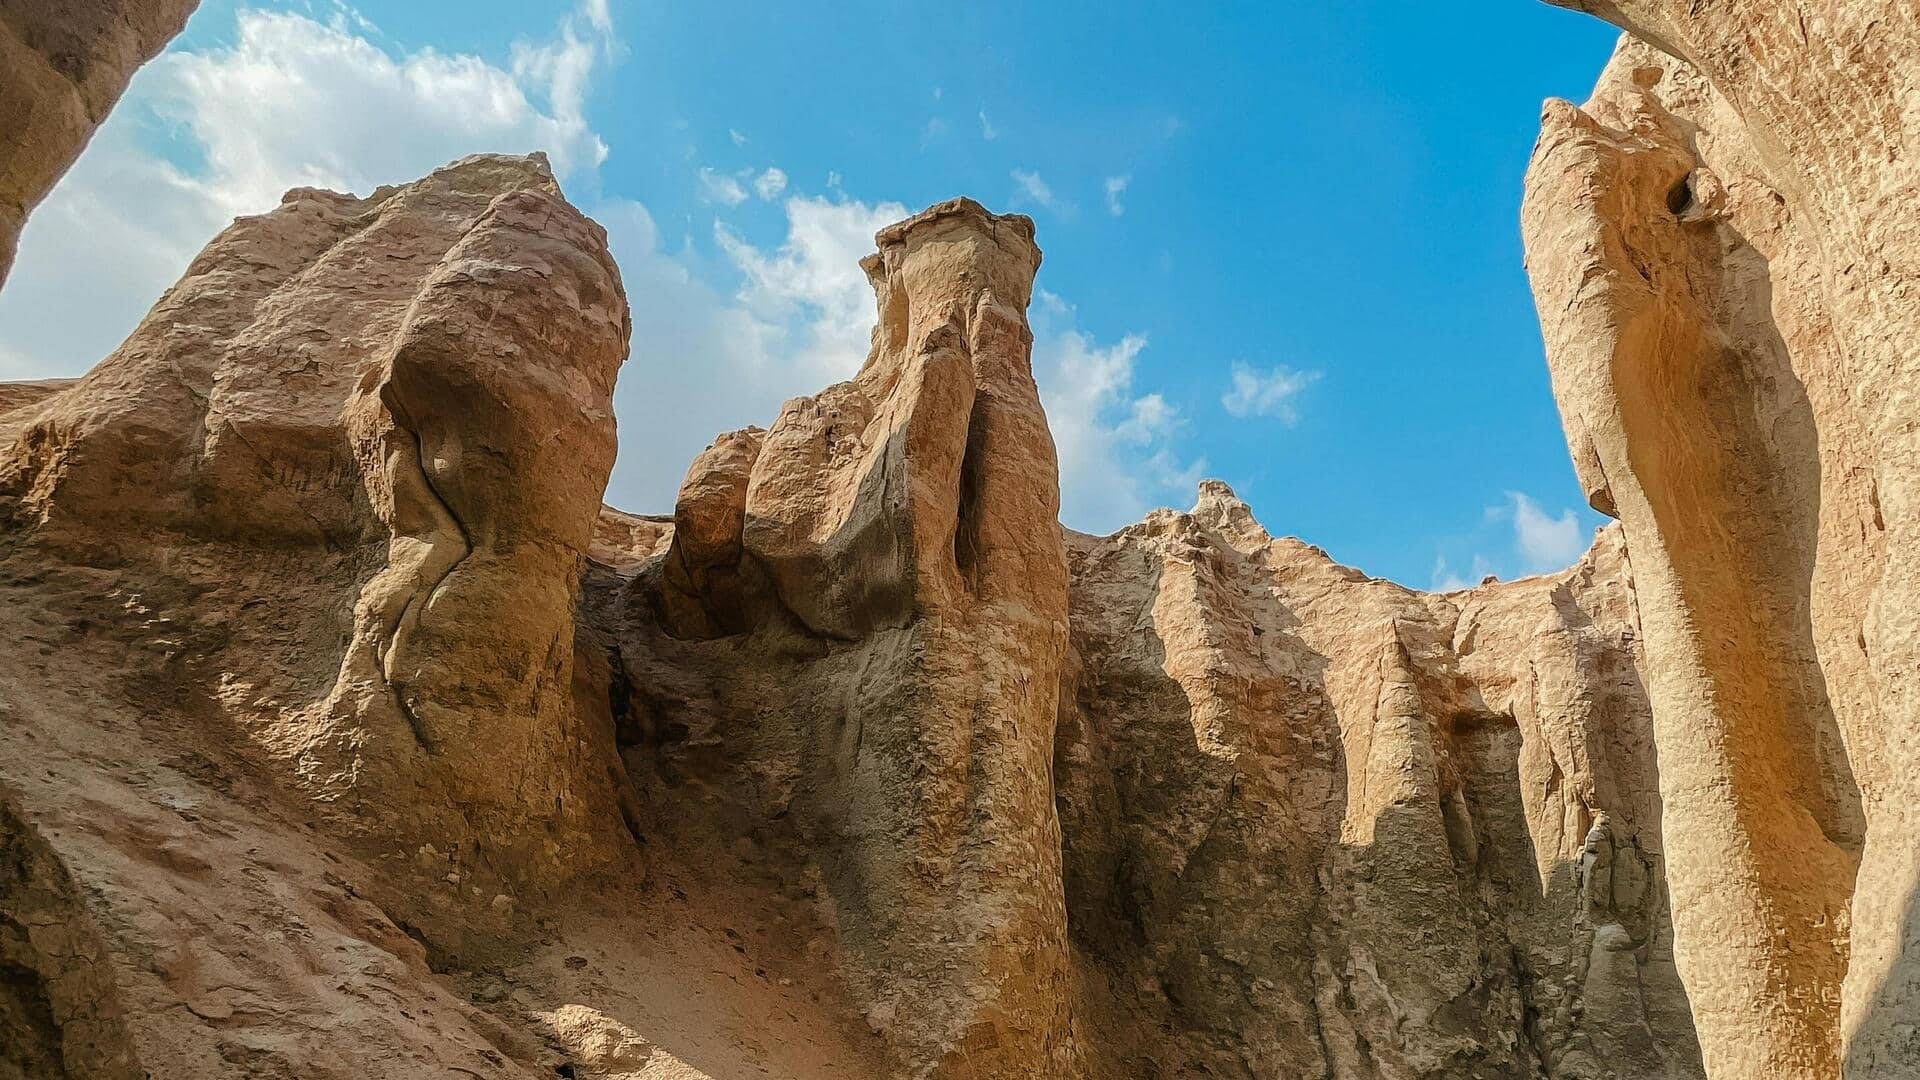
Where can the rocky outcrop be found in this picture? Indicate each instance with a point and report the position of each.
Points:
(291, 585)
(415, 388)
(1309, 823)
(1317, 824)
(1186, 799)
(343, 733)
(66, 65)
(1718, 243)
(865, 606)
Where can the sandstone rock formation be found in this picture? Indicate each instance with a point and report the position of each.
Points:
(1719, 246)
(343, 733)
(292, 738)
(427, 370)
(866, 607)
(860, 720)
(1309, 823)
(1320, 825)
(66, 64)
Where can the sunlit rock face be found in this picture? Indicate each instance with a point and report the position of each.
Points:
(866, 605)
(1181, 800)
(1721, 244)
(344, 734)
(66, 64)
(300, 561)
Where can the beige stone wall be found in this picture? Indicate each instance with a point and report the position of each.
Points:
(1718, 246)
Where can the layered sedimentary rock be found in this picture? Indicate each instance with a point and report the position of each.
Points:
(66, 64)
(1720, 243)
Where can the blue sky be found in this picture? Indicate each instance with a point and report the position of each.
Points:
(1281, 241)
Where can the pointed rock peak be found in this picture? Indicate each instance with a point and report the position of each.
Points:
(1219, 508)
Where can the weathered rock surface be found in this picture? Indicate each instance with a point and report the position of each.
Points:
(66, 64)
(298, 778)
(1317, 824)
(1309, 823)
(859, 738)
(414, 388)
(343, 733)
(850, 654)
(1721, 246)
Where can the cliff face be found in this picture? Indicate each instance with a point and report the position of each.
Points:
(344, 734)
(949, 792)
(1308, 823)
(1718, 246)
(852, 645)
(1318, 824)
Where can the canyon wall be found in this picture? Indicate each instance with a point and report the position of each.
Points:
(344, 734)
(1183, 800)
(859, 743)
(1720, 244)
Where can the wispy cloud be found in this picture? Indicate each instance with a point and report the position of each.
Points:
(1119, 449)
(1544, 542)
(987, 130)
(1031, 188)
(738, 138)
(1266, 393)
(290, 101)
(808, 301)
(719, 187)
(769, 184)
(1446, 579)
(1116, 186)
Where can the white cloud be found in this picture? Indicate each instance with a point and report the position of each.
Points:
(291, 102)
(738, 139)
(987, 130)
(1118, 452)
(1032, 188)
(598, 16)
(1545, 543)
(809, 300)
(769, 184)
(1445, 579)
(1116, 186)
(704, 363)
(1266, 393)
(718, 187)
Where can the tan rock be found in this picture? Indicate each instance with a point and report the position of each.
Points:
(66, 64)
(1318, 824)
(1718, 243)
(414, 388)
(891, 581)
